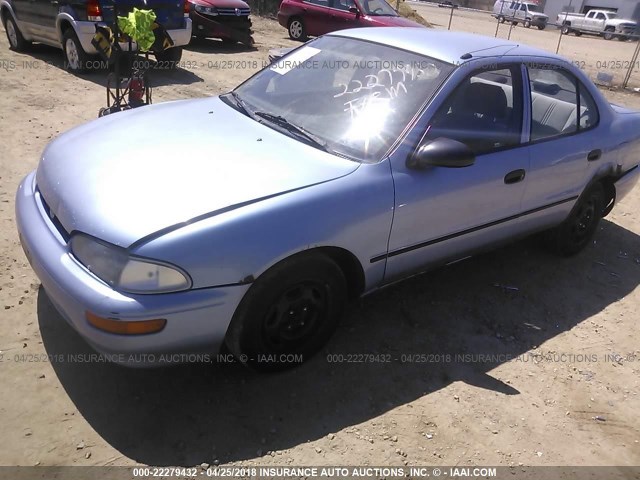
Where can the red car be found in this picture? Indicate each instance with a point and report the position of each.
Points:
(317, 17)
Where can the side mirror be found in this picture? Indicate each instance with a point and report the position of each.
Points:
(441, 152)
(355, 11)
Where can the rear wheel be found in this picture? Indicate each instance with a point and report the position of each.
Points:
(566, 30)
(578, 33)
(574, 234)
(297, 30)
(74, 55)
(289, 313)
(500, 19)
(541, 27)
(169, 58)
(16, 40)
(527, 24)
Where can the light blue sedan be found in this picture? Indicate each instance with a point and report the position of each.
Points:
(356, 160)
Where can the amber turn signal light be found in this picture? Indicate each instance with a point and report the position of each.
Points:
(125, 327)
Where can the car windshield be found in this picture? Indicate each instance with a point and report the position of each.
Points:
(378, 8)
(348, 96)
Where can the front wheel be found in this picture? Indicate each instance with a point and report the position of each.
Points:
(169, 58)
(541, 27)
(16, 40)
(500, 19)
(608, 34)
(289, 313)
(297, 30)
(574, 234)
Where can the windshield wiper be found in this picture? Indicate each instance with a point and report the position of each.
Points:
(280, 121)
(242, 105)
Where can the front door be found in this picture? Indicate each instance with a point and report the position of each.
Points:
(442, 214)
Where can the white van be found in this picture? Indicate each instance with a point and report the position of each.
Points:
(527, 13)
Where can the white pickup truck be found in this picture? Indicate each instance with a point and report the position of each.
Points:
(597, 22)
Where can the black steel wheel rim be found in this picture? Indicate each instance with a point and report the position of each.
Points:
(295, 316)
(584, 220)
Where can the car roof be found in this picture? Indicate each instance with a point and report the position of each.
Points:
(442, 44)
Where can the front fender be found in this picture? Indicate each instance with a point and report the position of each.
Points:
(353, 212)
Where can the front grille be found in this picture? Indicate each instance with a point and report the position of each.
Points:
(236, 12)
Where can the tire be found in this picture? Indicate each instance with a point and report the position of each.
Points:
(14, 36)
(292, 309)
(74, 55)
(500, 19)
(297, 30)
(565, 30)
(575, 233)
(578, 33)
(169, 58)
(541, 27)
(514, 23)
(527, 24)
(608, 33)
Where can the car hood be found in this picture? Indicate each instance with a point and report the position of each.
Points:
(392, 21)
(130, 174)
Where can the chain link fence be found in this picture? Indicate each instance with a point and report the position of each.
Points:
(614, 62)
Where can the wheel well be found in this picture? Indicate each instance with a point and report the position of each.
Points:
(4, 11)
(610, 194)
(350, 266)
(63, 27)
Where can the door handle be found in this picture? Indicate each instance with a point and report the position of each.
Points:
(514, 177)
(594, 155)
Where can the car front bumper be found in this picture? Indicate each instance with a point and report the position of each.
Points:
(87, 30)
(197, 320)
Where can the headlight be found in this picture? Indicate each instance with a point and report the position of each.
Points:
(125, 272)
(206, 10)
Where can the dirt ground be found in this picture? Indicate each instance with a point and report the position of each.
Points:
(530, 359)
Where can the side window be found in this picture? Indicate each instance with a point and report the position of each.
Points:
(523, 7)
(342, 4)
(601, 16)
(560, 105)
(484, 111)
(320, 3)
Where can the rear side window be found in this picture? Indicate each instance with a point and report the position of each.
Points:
(560, 104)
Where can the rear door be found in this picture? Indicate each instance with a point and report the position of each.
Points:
(561, 145)
(442, 214)
(317, 16)
(44, 17)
